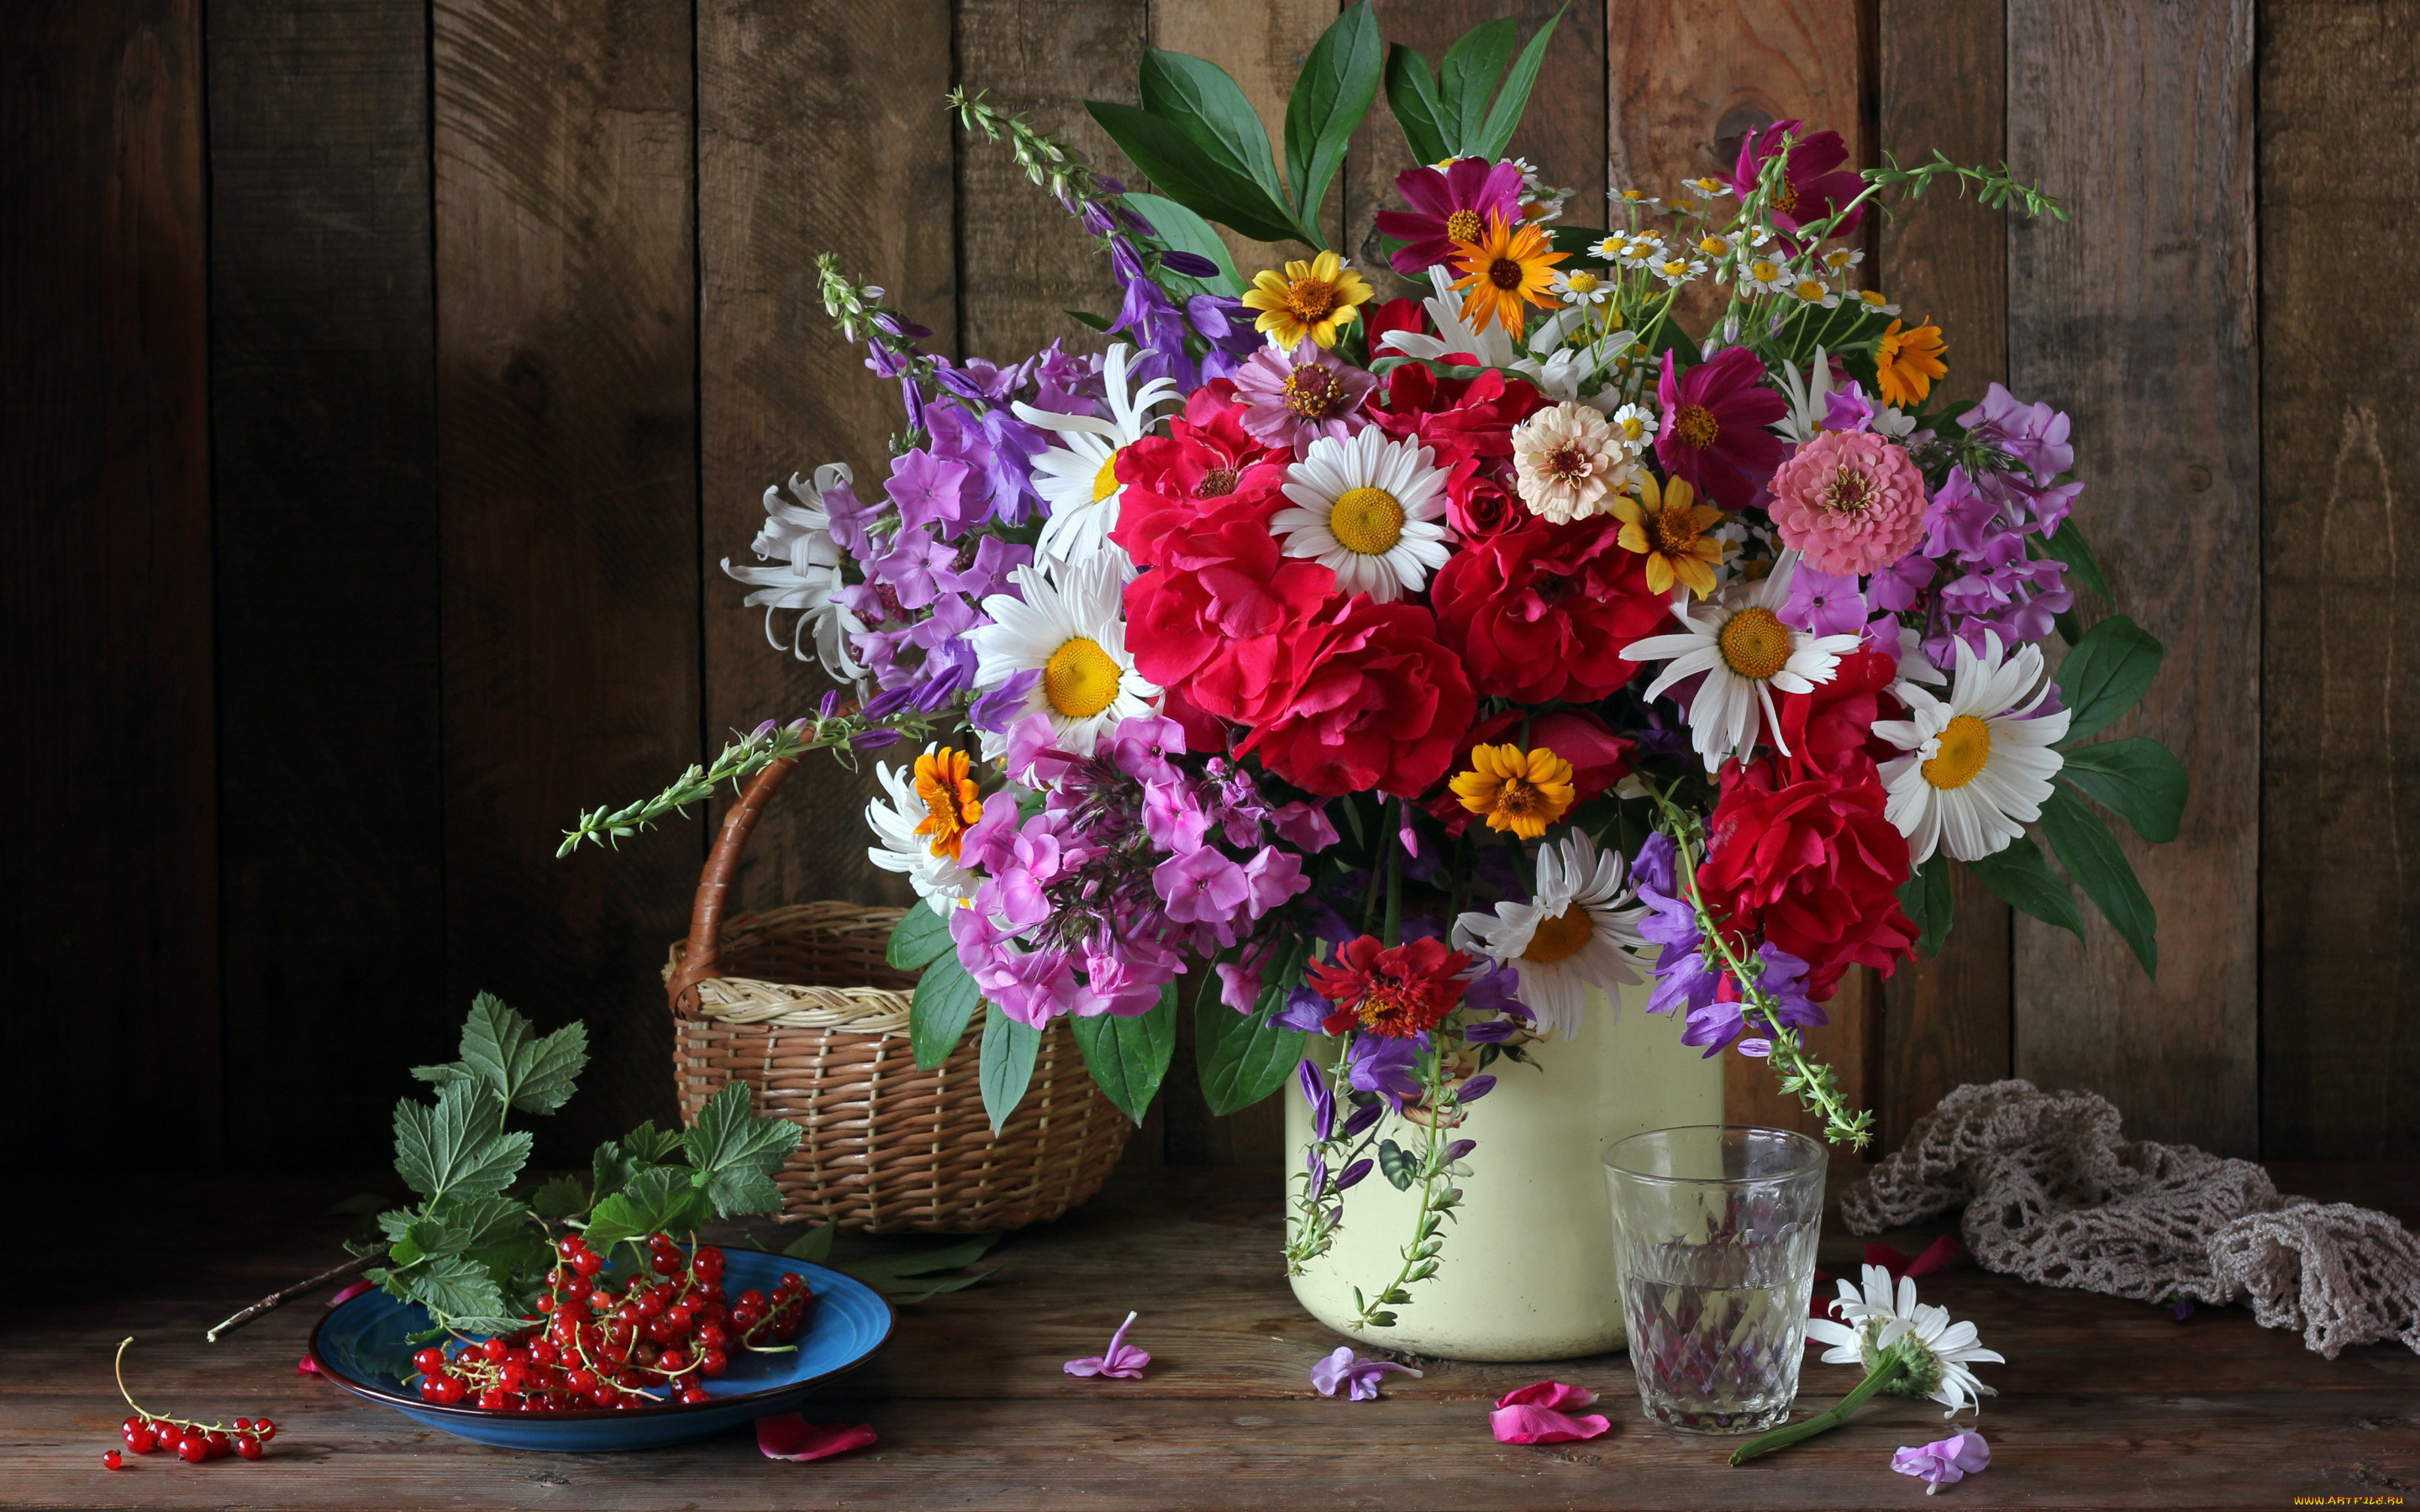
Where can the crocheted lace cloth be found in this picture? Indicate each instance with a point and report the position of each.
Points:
(2053, 1194)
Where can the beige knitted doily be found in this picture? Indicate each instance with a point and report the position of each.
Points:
(2054, 1195)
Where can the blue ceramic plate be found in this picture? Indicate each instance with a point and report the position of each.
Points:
(362, 1347)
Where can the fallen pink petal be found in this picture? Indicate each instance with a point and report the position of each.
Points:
(792, 1437)
(1345, 1369)
(1535, 1414)
(307, 1367)
(1945, 1461)
(1120, 1360)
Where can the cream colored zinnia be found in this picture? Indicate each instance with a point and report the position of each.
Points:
(1568, 462)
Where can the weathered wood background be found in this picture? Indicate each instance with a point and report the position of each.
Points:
(386, 377)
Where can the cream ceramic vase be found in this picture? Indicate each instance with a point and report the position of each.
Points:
(1527, 1269)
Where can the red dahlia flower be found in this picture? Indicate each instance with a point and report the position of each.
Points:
(1458, 417)
(1599, 757)
(1714, 433)
(1814, 183)
(1399, 993)
(1364, 698)
(1449, 205)
(1173, 481)
(1543, 611)
(1813, 864)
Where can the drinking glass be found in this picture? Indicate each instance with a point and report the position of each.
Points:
(1714, 1233)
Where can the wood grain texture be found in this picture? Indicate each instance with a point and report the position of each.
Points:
(322, 407)
(2340, 480)
(2135, 316)
(567, 420)
(1942, 85)
(1564, 132)
(1023, 260)
(815, 119)
(105, 584)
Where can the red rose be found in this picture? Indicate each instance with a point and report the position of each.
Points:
(1543, 611)
(1477, 504)
(1834, 723)
(1367, 700)
(1458, 417)
(1213, 618)
(1813, 864)
(1395, 315)
(1599, 757)
(1173, 481)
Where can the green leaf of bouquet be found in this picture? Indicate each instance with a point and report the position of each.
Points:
(1333, 92)
(2107, 673)
(1007, 1066)
(1925, 896)
(2023, 879)
(1204, 99)
(1468, 77)
(2091, 855)
(739, 1152)
(814, 1246)
(659, 1200)
(559, 1199)
(1243, 1057)
(920, 936)
(1091, 322)
(1173, 160)
(453, 1147)
(1181, 229)
(1129, 1057)
(937, 1016)
(1504, 117)
(450, 1287)
(1412, 95)
(2069, 546)
(2139, 780)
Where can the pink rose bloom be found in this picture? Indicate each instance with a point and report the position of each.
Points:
(1294, 398)
(1851, 501)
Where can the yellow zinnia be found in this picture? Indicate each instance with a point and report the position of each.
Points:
(951, 805)
(1315, 298)
(1520, 790)
(1504, 269)
(1669, 526)
(1907, 362)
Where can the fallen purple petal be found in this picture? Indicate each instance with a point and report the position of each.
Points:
(1120, 1360)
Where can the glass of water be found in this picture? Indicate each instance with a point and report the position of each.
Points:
(1714, 1233)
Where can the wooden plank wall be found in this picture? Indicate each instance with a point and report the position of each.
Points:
(353, 543)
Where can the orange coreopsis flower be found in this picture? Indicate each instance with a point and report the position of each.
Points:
(1506, 268)
(1907, 362)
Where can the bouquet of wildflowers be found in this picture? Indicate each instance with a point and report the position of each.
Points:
(1405, 673)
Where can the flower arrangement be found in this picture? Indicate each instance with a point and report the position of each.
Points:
(1402, 673)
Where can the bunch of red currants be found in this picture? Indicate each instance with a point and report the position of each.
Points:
(653, 1342)
(192, 1441)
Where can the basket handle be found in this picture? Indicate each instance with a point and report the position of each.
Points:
(703, 958)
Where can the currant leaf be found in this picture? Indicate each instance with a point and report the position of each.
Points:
(455, 1147)
(737, 1152)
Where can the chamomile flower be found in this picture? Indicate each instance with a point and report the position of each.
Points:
(1638, 251)
(1370, 508)
(1610, 249)
(1707, 190)
(1579, 287)
(1979, 763)
(1814, 291)
(1636, 424)
(1874, 303)
(1069, 625)
(1840, 259)
(1675, 270)
(1636, 199)
(1739, 642)
(920, 825)
(1932, 1354)
(1763, 273)
(1578, 929)
(1078, 477)
(1715, 244)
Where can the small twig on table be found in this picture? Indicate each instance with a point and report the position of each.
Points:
(300, 1289)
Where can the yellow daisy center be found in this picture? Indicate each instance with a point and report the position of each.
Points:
(1696, 427)
(1965, 746)
(1755, 643)
(1763, 271)
(1079, 679)
(1581, 283)
(1463, 225)
(1810, 290)
(1104, 482)
(1560, 937)
(1712, 246)
(1368, 520)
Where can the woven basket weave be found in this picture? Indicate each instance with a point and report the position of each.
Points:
(800, 1004)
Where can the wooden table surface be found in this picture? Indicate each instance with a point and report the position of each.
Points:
(2105, 1403)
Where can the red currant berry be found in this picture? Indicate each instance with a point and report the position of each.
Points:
(112, 1460)
(193, 1450)
(494, 1399)
(707, 1261)
(248, 1446)
(713, 1363)
(494, 1349)
(139, 1437)
(587, 1264)
(710, 1335)
(264, 1429)
(217, 1446)
(600, 1395)
(544, 1353)
(449, 1391)
(570, 1246)
(428, 1362)
(577, 1289)
(693, 1395)
(673, 1361)
(580, 1380)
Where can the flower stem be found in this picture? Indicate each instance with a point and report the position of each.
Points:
(1882, 1378)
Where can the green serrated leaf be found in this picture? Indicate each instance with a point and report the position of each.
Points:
(2092, 856)
(814, 1246)
(659, 1200)
(945, 1000)
(647, 1145)
(520, 1068)
(1331, 94)
(2139, 780)
(918, 937)
(1504, 117)
(738, 1151)
(609, 1171)
(1009, 1049)
(1925, 898)
(1180, 228)
(2107, 673)
(1203, 101)
(1129, 1057)
(559, 1199)
(1174, 162)
(453, 1148)
(1467, 77)
(462, 1225)
(452, 1287)
(2023, 879)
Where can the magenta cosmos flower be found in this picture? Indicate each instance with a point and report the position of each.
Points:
(1713, 431)
(1815, 183)
(1449, 205)
(1294, 399)
(1851, 501)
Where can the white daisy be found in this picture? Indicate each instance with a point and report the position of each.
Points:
(1763, 273)
(1676, 270)
(1372, 509)
(1636, 198)
(1715, 244)
(1935, 1351)
(805, 574)
(1979, 765)
(1577, 286)
(1079, 478)
(1814, 291)
(1579, 931)
(1840, 259)
(1874, 303)
(1708, 188)
(1746, 653)
(937, 878)
(1638, 251)
(1637, 425)
(1068, 624)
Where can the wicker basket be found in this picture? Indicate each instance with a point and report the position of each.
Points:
(800, 1004)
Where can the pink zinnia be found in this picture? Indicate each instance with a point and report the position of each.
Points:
(1851, 501)
(1294, 399)
(1449, 205)
(1714, 433)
